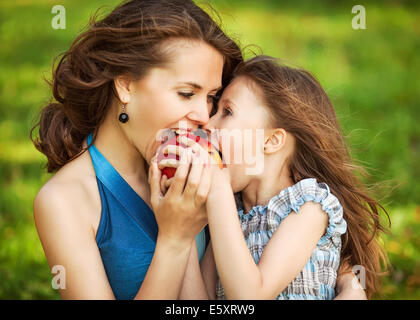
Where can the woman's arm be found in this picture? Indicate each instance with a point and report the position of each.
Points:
(68, 241)
(180, 214)
(283, 257)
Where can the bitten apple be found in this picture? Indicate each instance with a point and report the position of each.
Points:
(197, 136)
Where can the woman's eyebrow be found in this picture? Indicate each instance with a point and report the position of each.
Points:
(192, 84)
(217, 89)
(198, 87)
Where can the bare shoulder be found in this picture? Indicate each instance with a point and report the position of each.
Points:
(70, 194)
(67, 212)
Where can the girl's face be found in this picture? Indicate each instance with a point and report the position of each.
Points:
(183, 90)
(240, 121)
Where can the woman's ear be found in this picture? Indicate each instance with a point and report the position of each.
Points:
(122, 87)
(275, 141)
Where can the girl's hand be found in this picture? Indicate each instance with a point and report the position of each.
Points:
(180, 213)
(348, 286)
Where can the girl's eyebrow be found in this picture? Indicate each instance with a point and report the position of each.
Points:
(228, 101)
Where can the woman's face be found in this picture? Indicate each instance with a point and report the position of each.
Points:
(180, 93)
(239, 122)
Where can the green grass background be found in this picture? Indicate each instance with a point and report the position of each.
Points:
(370, 75)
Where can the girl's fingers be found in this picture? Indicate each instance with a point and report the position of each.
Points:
(172, 163)
(173, 149)
(198, 149)
(194, 177)
(177, 149)
(190, 143)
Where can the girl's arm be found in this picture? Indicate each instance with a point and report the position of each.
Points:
(284, 256)
(208, 270)
(194, 283)
(200, 284)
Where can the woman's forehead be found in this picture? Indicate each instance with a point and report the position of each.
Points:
(196, 62)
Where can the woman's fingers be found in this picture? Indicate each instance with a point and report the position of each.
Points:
(155, 178)
(163, 187)
(188, 178)
(204, 187)
(194, 178)
(169, 182)
(180, 177)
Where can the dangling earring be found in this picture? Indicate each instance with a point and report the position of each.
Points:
(123, 116)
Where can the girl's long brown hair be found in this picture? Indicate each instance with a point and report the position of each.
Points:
(126, 42)
(299, 104)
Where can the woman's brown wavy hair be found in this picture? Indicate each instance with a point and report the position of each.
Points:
(299, 104)
(128, 41)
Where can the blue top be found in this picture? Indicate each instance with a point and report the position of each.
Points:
(127, 231)
(317, 279)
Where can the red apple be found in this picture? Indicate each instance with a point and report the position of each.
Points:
(197, 136)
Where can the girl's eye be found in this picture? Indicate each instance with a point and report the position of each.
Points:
(227, 112)
(186, 95)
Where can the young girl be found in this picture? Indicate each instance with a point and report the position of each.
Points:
(284, 240)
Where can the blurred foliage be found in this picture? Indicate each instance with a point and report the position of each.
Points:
(370, 76)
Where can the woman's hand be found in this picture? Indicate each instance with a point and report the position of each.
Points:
(180, 213)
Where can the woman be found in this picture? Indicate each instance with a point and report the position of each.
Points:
(156, 63)
(146, 66)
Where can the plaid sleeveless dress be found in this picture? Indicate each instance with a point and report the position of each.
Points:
(318, 278)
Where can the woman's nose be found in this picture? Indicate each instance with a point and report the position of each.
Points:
(200, 114)
(209, 126)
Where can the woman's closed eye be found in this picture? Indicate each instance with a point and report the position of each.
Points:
(186, 95)
(189, 95)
